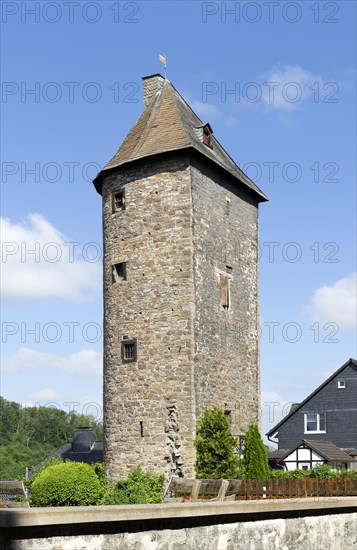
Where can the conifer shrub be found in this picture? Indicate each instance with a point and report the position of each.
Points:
(215, 446)
(255, 463)
(140, 487)
(66, 484)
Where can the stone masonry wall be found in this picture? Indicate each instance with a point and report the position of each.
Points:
(183, 226)
(329, 532)
(149, 404)
(225, 231)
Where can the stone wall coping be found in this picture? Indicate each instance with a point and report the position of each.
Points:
(125, 513)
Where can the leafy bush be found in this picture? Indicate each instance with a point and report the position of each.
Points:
(66, 484)
(215, 446)
(321, 471)
(255, 463)
(288, 474)
(140, 487)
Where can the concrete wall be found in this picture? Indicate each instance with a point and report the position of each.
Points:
(309, 524)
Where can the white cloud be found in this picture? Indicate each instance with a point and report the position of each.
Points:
(46, 394)
(86, 363)
(38, 261)
(67, 401)
(230, 121)
(274, 408)
(336, 303)
(285, 87)
(205, 109)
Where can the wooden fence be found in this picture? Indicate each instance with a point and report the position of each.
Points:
(236, 489)
(10, 490)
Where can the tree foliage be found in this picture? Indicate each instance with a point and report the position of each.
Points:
(29, 434)
(255, 463)
(139, 487)
(66, 484)
(215, 446)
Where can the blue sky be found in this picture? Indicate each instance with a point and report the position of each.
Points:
(277, 84)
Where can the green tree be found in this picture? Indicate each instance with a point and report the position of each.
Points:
(66, 484)
(215, 446)
(255, 463)
(29, 434)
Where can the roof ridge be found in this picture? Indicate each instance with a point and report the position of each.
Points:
(177, 96)
(153, 107)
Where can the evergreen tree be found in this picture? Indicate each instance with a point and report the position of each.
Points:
(255, 463)
(215, 446)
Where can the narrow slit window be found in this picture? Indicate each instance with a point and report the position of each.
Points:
(119, 272)
(129, 351)
(118, 201)
(224, 291)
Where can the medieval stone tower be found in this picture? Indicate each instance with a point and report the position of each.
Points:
(181, 307)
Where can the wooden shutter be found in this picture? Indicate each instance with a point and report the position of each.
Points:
(224, 289)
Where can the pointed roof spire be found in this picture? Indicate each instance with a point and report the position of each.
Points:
(169, 124)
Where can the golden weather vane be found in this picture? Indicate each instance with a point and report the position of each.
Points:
(163, 60)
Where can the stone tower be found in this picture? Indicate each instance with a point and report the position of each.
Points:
(181, 306)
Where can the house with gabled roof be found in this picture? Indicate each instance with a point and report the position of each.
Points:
(323, 427)
(310, 453)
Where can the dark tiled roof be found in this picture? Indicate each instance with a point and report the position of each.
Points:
(350, 451)
(65, 453)
(328, 450)
(169, 124)
(278, 454)
(293, 410)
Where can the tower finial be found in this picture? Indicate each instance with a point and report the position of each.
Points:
(163, 60)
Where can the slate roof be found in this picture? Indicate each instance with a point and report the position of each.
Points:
(84, 448)
(65, 453)
(169, 124)
(300, 405)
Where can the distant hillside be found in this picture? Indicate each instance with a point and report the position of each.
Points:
(28, 435)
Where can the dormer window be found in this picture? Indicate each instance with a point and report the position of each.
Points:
(204, 134)
(207, 137)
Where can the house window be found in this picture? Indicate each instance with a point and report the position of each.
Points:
(118, 201)
(129, 351)
(341, 384)
(224, 291)
(315, 423)
(119, 272)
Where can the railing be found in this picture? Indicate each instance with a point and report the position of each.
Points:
(247, 489)
(10, 490)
